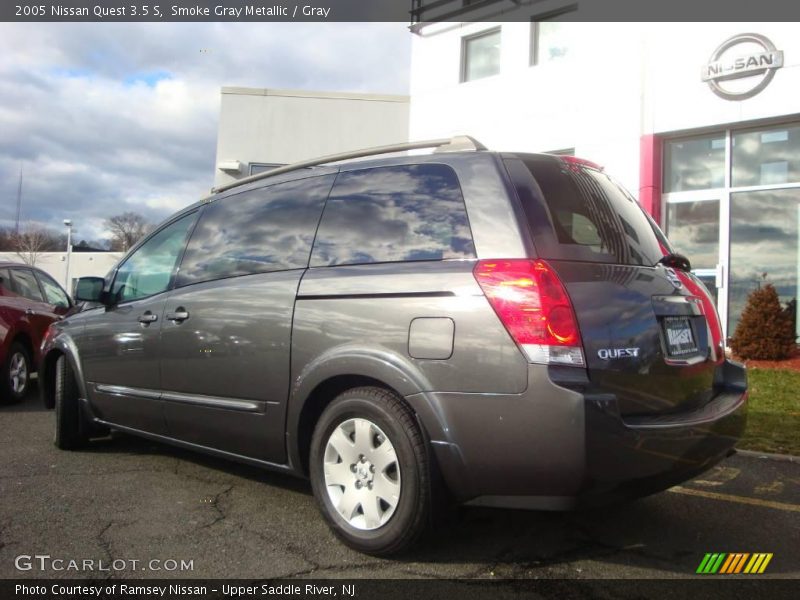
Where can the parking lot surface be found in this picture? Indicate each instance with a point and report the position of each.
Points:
(140, 505)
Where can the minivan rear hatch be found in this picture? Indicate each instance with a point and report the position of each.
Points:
(645, 336)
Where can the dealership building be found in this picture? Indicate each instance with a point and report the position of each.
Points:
(260, 129)
(700, 121)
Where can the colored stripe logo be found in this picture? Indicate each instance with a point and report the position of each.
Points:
(721, 563)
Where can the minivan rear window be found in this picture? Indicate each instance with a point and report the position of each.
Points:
(589, 216)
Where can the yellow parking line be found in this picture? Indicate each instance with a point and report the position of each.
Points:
(739, 499)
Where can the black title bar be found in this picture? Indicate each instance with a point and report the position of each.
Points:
(393, 589)
(415, 12)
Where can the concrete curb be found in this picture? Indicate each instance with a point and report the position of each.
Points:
(781, 457)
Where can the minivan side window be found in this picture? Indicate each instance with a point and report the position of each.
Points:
(24, 283)
(257, 231)
(392, 214)
(148, 271)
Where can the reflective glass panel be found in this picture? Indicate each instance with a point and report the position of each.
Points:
(694, 164)
(148, 271)
(693, 229)
(257, 231)
(25, 284)
(764, 247)
(52, 291)
(593, 218)
(553, 41)
(766, 157)
(710, 282)
(481, 55)
(390, 214)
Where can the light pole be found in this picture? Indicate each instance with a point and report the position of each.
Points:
(68, 224)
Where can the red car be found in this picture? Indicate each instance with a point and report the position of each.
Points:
(29, 301)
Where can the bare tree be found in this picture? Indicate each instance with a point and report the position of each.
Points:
(6, 239)
(126, 229)
(32, 241)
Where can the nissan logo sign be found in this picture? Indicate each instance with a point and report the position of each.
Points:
(749, 57)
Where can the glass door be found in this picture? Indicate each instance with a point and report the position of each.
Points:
(696, 208)
(693, 227)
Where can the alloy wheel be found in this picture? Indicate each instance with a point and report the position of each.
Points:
(18, 373)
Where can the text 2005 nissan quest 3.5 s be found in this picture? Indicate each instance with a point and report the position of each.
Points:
(508, 330)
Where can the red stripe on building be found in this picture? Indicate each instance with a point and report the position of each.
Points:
(650, 175)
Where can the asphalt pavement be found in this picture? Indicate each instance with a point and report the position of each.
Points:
(139, 509)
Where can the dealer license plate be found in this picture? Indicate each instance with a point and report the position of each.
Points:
(679, 336)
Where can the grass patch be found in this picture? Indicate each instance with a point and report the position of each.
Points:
(773, 419)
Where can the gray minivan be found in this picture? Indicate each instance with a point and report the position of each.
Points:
(499, 329)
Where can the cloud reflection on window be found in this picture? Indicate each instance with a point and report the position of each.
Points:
(390, 214)
(764, 239)
(257, 231)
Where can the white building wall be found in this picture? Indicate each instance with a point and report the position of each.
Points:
(81, 264)
(285, 126)
(622, 81)
(676, 98)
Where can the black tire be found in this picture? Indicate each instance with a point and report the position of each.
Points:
(392, 420)
(16, 374)
(71, 431)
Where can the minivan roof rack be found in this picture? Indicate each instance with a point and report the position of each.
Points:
(457, 143)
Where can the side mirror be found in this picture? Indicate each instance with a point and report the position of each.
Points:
(90, 289)
(676, 261)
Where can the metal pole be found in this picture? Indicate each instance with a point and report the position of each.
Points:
(69, 255)
(19, 200)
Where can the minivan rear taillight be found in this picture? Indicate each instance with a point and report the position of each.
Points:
(534, 307)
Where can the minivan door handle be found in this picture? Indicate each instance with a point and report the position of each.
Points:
(148, 317)
(180, 314)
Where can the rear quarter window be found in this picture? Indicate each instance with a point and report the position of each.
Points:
(580, 213)
(394, 214)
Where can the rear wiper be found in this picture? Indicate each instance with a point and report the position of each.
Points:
(675, 261)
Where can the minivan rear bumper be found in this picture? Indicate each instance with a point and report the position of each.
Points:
(630, 458)
(556, 448)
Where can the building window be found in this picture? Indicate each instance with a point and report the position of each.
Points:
(695, 164)
(766, 156)
(480, 55)
(550, 42)
(763, 247)
(256, 168)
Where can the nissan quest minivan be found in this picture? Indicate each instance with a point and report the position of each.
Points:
(498, 329)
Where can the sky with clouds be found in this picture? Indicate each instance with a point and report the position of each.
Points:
(106, 117)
